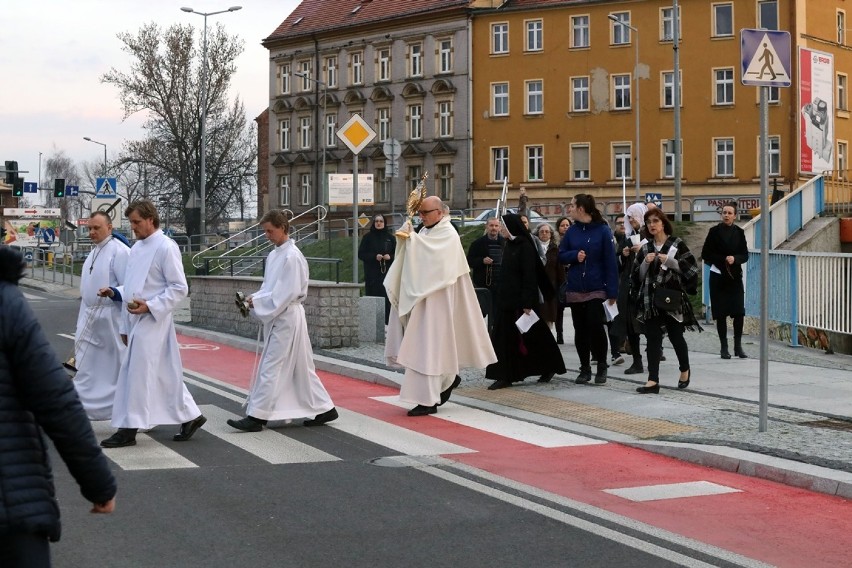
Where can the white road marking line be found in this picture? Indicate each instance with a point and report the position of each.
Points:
(671, 491)
(268, 445)
(147, 454)
(70, 336)
(534, 434)
(29, 296)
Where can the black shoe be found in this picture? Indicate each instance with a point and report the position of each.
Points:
(421, 410)
(187, 429)
(683, 384)
(247, 424)
(738, 351)
(634, 369)
(321, 419)
(445, 395)
(662, 357)
(600, 376)
(546, 378)
(559, 339)
(653, 389)
(123, 437)
(724, 353)
(584, 377)
(501, 384)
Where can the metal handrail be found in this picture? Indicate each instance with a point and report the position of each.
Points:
(335, 261)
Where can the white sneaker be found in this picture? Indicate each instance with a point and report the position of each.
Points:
(617, 360)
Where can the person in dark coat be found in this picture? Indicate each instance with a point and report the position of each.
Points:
(534, 352)
(484, 257)
(725, 250)
(37, 396)
(548, 253)
(562, 226)
(624, 323)
(376, 252)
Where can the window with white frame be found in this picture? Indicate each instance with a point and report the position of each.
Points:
(580, 160)
(668, 155)
(622, 157)
(384, 65)
(284, 133)
(667, 94)
(445, 56)
(305, 72)
(580, 31)
(535, 35)
(384, 117)
(415, 122)
(500, 38)
(284, 189)
(413, 175)
(723, 19)
(842, 157)
(445, 119)
(305, 132)
(305, 189)
(767, 14)
(445, 182)
(284, 74)
(773, 163)
(499, 163)
(621, 92)
(535, 96)
(500, 99)
(535, 163)
(773, 95)
(415, 60)
(667, 23)
(330, 130)
(842, 91)
(579, 94)
(381, 185)
(841, 27)
(724, 157)
(723, 81)
(620, 33)
(331, 72)
(356, 65)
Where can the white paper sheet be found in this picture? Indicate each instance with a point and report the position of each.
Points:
(714, 269)
(611, 310)
(526, 321)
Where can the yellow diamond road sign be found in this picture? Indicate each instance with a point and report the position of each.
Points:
(356, 133)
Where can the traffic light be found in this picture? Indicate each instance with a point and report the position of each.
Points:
(18, 188)
(11, 171)
(59, 187)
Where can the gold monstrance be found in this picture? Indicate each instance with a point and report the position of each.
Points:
(415, 198)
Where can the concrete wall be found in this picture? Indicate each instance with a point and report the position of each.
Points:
(330, 308)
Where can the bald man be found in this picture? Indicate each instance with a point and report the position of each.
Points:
(435, 327)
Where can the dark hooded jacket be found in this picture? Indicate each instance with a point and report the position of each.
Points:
(36, 395)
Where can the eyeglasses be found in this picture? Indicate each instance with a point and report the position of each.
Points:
(424, 213)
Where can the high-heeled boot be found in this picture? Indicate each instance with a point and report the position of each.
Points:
(738, 348)
(724, 351)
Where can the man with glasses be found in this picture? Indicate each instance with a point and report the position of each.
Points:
(435, 327)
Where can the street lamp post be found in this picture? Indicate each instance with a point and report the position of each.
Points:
(203, 151)
(87, 139)
(320, 123)
(636, 77)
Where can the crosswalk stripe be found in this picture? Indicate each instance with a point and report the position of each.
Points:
(394, 437)
(29, 296)
(147, 454)
(671, 491)
(267, 444)
(526, 432)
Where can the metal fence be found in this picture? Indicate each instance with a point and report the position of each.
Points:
(838, 192)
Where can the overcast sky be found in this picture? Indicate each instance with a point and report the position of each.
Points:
(53, 53)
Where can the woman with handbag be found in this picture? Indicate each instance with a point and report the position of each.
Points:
(663, 271)
(725, 250)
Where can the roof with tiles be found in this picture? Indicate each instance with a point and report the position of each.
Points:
(312, 16)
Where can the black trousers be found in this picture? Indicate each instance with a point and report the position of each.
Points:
(654, 334)
(21, 550)
(589, 331)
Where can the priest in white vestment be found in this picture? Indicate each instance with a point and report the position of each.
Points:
(150, 389)
(286, 386)
(98, 348)
(436, 327)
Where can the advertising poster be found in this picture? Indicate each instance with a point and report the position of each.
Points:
(816, 121)
(31, 232)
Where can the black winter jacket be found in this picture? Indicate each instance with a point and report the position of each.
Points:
(35, 391)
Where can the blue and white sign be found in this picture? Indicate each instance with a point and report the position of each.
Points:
(106, 188)
(765, 58)
(30, 187)
(655, 198)
(72, 190)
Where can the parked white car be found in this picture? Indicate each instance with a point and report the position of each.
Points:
(480, 219)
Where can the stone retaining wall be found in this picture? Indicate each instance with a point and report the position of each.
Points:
(331, 309)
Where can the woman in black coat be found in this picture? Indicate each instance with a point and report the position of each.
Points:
(376, 252)
(35, 393)
(534, 352)
(725, 250)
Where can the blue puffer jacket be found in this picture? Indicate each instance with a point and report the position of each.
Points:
(35, 391)
(599, 271)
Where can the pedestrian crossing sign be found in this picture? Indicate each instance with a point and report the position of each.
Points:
(105, 187)
(765, 58)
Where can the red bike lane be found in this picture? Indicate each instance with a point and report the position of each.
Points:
(759, 519)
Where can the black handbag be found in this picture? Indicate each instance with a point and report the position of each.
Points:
(667, 300)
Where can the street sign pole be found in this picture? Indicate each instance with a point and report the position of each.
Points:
(764, 262)
(355, 217)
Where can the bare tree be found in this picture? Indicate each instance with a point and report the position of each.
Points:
(165, 80)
